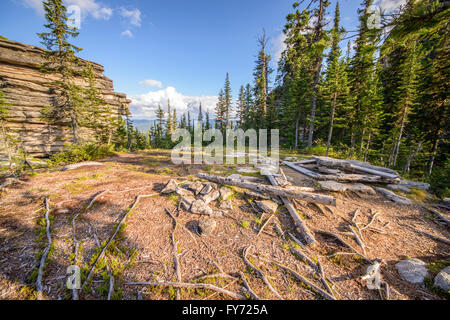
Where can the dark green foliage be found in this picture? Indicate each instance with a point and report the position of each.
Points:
(74, 153)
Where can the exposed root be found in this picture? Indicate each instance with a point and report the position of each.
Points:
(259, 273)
(247, 286)
(190, 285)
(39, 286)
(114, 235)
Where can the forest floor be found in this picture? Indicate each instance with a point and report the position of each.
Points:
(143, 249)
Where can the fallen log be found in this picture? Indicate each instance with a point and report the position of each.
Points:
(302, 170)
(357, 165)
(393, 197)
(287, 192)
(440, 216)
(342, 177)
(304, 230)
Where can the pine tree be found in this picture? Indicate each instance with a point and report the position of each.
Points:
(336, 76)
(200, 113)
(241, 107)
(208, 123)
(261, 75)
(317, 47)
(227, 101)
(363, 74)
(61, 59)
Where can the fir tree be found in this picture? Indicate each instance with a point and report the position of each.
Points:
(61, 59)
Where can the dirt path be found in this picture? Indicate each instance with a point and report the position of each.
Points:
(143, 249)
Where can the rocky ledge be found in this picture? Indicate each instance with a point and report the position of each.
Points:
(28, 92)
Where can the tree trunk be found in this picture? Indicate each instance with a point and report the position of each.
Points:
(400, 134)
(367, 146)
(411, 157)
(433, 156)
(362, 140)
(316, 68)
(296, 131)
(330, 132)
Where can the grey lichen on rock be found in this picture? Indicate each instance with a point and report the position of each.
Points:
(206, 226)
(413, 270)
(442, 280)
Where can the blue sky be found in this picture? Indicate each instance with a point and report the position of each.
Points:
(154, 50)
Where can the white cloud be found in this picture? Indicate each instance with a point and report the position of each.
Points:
(88, 7)
(390, 5)
(133, 15)
(127, 33)
(278, 46)
(151, 83)
(145, 105)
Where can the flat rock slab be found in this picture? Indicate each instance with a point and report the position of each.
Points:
(225, 193)
(80, 165)
(413, 270)
(206, 226)
(170, 187)
(210, 197)
(226, 205)
(200, 207)
(184, 192)
(442, 280)
(196, 187)
(333, 186)
(267, 206)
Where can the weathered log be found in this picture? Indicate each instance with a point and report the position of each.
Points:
(288, 191)
(346, 163)
(342, 177)
(393, 197)
(302, 170)
(304, 230)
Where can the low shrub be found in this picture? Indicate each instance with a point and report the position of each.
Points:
(74, 153)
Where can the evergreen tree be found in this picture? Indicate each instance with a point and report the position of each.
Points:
(261, 75)
(61, 59)
(336, 76)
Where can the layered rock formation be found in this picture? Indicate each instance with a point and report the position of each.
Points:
(28, 91)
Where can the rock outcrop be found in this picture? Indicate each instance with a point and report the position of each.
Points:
(28, 91)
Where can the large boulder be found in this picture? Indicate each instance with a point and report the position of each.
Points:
(413, 270)
(442, 280)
